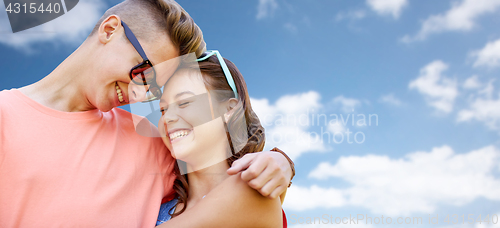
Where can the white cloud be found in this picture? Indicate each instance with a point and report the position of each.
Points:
(287, 121)
(489, 56)
(387, 7)
(483, 108)
(490, 224)
(305, 198)
(299, 123)
(486, 225)
(487, 91)
(417, 183)
(348, 104)
(472, 82)
(461, 17)
(351, 15)
(291, 28)
(266, 8)
(439, 91)
(70, 28)
(336, 127)
(390, 99)
(295, 219)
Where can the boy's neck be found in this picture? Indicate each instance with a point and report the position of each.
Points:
(63, 88)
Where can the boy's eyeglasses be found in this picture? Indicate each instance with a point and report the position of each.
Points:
(228, 75)
(143, 73)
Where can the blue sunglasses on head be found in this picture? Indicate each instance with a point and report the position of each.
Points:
(228, 75)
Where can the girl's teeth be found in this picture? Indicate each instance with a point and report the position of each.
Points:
(178, 135)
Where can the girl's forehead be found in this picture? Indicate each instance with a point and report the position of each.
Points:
(184, 80)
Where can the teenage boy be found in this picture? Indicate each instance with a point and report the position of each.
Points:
(69, 157)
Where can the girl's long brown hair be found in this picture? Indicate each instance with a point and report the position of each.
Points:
(243, 127)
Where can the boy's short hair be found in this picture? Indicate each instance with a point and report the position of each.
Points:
(150, 18)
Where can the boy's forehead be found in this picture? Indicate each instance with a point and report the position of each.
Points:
(164, 56)
(160, 49)
(165, 70)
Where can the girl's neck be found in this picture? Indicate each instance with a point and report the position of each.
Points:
(202, 181)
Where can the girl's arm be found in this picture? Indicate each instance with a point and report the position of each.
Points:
(231, 204)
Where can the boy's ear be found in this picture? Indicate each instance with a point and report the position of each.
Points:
(110, 26)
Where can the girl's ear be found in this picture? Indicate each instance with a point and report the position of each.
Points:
(231, 103)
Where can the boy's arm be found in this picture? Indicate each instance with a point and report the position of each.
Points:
(269, 172)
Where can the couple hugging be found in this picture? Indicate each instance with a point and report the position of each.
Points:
(70, 158)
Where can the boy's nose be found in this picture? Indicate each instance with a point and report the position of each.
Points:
(137, 93)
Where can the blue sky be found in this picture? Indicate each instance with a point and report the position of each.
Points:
(427, 69)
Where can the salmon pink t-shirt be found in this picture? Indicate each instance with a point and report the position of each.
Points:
(77, 169)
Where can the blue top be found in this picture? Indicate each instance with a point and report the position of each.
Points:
(165, 209)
